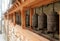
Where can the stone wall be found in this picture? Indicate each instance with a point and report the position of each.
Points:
(16, 33)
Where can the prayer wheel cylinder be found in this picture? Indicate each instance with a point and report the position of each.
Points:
(52, 22)
(42, 21)
(35, 20)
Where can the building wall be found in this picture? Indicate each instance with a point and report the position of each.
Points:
(16, 33)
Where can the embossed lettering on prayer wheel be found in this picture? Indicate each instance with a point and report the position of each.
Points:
(52, 22)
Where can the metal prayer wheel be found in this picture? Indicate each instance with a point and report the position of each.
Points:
(42, 21)
(18, 19)
(52, 22)
(35, 20)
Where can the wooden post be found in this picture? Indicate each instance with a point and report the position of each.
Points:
(14, 19)
(7, 16)
(59, 25)
(31, 13)
(11, 17)
(23, 19)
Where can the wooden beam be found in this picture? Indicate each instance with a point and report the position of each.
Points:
(42, 3)
(32, 4)
(15, 5)
(18, 2)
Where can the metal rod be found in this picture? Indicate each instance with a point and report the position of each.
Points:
(53, 7)
(35, 10)
(42, 9)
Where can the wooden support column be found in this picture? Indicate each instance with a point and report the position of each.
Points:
(7, 16)
(59, 24)
(14, 19)
(11, 17)
(31, 13)
(23, 19)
